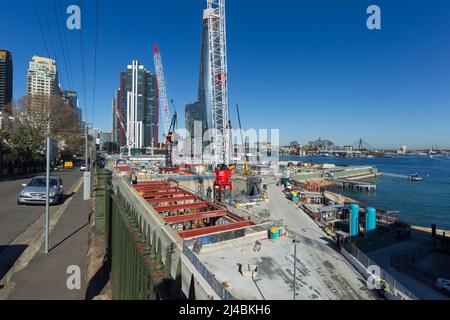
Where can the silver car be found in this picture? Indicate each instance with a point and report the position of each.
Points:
(34, 192)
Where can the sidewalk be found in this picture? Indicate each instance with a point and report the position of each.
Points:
(45, 276)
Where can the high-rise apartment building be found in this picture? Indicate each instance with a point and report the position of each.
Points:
(6, 78)
(72, 98)
(137, 103)
(42, 77)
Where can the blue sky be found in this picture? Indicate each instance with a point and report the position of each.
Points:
(309, 68)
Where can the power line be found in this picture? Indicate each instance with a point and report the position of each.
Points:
(95, 58)
(68, 73)
(40, 27)
(83, 74)
(67, 47)
(51, 37)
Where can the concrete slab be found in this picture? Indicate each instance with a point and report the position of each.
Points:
(322, 272)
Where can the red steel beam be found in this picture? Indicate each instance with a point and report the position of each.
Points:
(162, 186)
(182, 206)
(172, 199)
(154, 190)
(164, 194)
(214, 229)
(196, 216)
(152, 185)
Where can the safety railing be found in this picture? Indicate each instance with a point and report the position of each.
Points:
(134, 249)
(218, 288)
(396, 289)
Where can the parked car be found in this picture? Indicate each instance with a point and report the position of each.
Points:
(443, 285)
(35, 191)
(83, 167)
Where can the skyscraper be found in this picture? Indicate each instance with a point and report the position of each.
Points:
(115, 120)
(137, 104)
(6, 78)
(200, 110)
(71, 97)
(42, 77)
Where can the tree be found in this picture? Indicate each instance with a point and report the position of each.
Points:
(5, 146)
(51, 116)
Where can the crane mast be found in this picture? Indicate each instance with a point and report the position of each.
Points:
(219, 80)
(162, 91)
(121, 122)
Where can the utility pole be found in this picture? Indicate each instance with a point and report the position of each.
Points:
(87, 173)
(47, 180)
(47, 192)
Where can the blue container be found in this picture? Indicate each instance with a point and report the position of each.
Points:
(354, 219)
(371, 219)
(274, 233)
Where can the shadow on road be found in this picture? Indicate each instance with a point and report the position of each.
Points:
(8, 256)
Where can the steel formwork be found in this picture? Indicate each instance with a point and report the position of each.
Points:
(187, 212)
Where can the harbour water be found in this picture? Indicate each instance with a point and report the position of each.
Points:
(419, 203)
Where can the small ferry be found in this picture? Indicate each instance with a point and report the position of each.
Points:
(415, 177)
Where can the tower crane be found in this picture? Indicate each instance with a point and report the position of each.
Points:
(121, 122)
(218, 98)
(246, 169)
(170, 140)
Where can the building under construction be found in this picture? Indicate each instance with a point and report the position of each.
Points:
(188, 213)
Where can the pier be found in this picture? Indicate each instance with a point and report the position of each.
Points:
(355, 185)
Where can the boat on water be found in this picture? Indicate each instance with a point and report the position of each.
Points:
(415, 177)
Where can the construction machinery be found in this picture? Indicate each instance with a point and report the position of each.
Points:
(121, 122)
(246, 160)
(218, 98)
(169, 125)
(170, 139)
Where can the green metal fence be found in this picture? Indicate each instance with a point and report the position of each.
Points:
(133, 249)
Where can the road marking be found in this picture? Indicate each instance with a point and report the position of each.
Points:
(33, 238)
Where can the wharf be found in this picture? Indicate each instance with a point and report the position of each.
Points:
(354, 184)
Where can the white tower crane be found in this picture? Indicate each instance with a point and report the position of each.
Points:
(217, 46)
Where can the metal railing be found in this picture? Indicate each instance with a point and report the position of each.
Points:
(134, 249)
(218, 288)
(394, 287)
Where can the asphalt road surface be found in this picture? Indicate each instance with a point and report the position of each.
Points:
(14, 218)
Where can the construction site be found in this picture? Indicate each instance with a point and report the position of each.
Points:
(252, 228)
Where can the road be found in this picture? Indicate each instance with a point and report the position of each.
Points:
(330, 273)
(14, 218)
